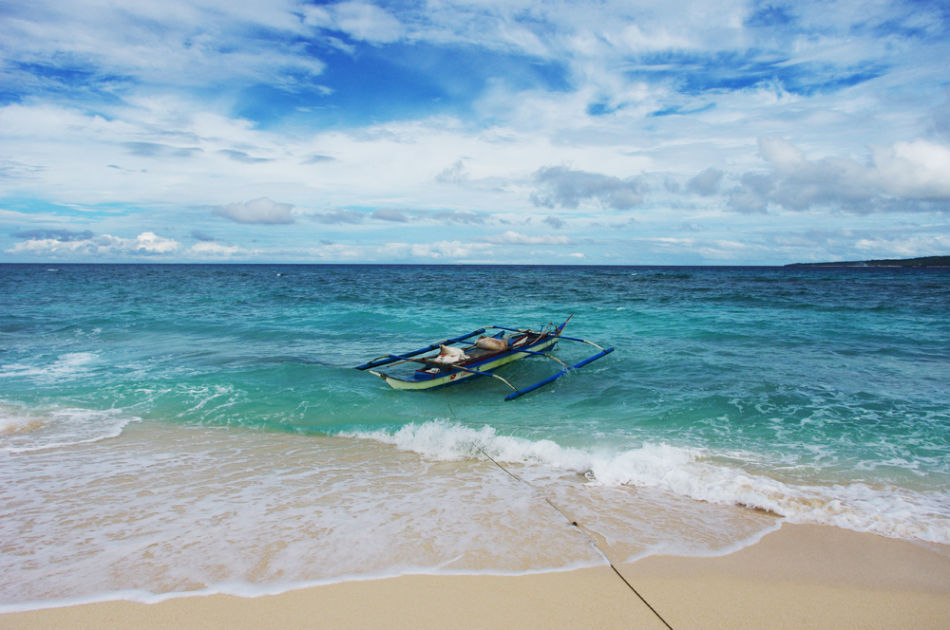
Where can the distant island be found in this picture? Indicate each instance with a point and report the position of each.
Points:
(923, 262)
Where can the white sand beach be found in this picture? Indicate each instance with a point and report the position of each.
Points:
(797, 577)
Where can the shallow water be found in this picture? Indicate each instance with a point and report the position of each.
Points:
(180, 428)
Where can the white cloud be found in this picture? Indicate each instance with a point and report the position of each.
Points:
(214, 250)
(445, 249)
(904, 246)
(334, 252)
(711, 248)
(568, 188)
(388, 214)
(150, 243)
(705, 183)
(635, 38)
(514, 238)
(367, 22)
(640, 94)
(918, 169)
(263, 211)
(359, 20)
(351, 217)
(103, 245)
(171, 42)
(781, 154)
(902, 177)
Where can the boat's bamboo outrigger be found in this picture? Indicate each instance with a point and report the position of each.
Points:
(481, 358)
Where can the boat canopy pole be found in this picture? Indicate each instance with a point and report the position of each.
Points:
(517, 330)
(551, 379)
(554, 335)
(388, 358)
(453, 367)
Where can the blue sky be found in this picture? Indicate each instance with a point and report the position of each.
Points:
(497, 131)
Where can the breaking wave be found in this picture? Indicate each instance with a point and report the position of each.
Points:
(693, 473)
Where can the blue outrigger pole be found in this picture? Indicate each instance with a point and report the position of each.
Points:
(554, 377)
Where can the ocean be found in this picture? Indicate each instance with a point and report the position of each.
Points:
(168, 430)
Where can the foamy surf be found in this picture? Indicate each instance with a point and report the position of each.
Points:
(25, 431)
(691, 473)
(170, 509)
(65, 366)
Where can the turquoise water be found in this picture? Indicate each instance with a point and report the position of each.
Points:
(813, 395)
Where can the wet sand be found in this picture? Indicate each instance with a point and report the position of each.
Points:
(797, 577)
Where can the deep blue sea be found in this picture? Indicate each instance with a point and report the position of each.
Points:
(177, 428)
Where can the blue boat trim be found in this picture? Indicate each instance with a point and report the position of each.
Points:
(437, 374)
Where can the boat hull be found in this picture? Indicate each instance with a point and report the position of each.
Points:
(453, 376)
(481, 360)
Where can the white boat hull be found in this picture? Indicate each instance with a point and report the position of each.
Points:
(457, 375)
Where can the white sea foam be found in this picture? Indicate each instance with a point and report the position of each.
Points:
(695, 474)
(65, 366)
(12, 421)
(173, 510)
(449, 441)
(24, 431)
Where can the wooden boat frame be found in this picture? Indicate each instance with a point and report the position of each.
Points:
(522, 342)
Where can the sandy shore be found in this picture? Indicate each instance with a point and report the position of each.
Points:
(798, 577)
(803, 577)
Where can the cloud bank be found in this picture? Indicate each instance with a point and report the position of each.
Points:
(906, 176)
(566, 188)
(610, 132)
(146, 244)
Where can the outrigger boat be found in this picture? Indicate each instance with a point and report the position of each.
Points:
(490, 351)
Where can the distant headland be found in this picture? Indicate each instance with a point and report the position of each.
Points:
(923, 262)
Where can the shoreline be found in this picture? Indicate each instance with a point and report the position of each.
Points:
(798, 576)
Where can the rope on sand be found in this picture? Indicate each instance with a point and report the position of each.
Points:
(579, 528)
